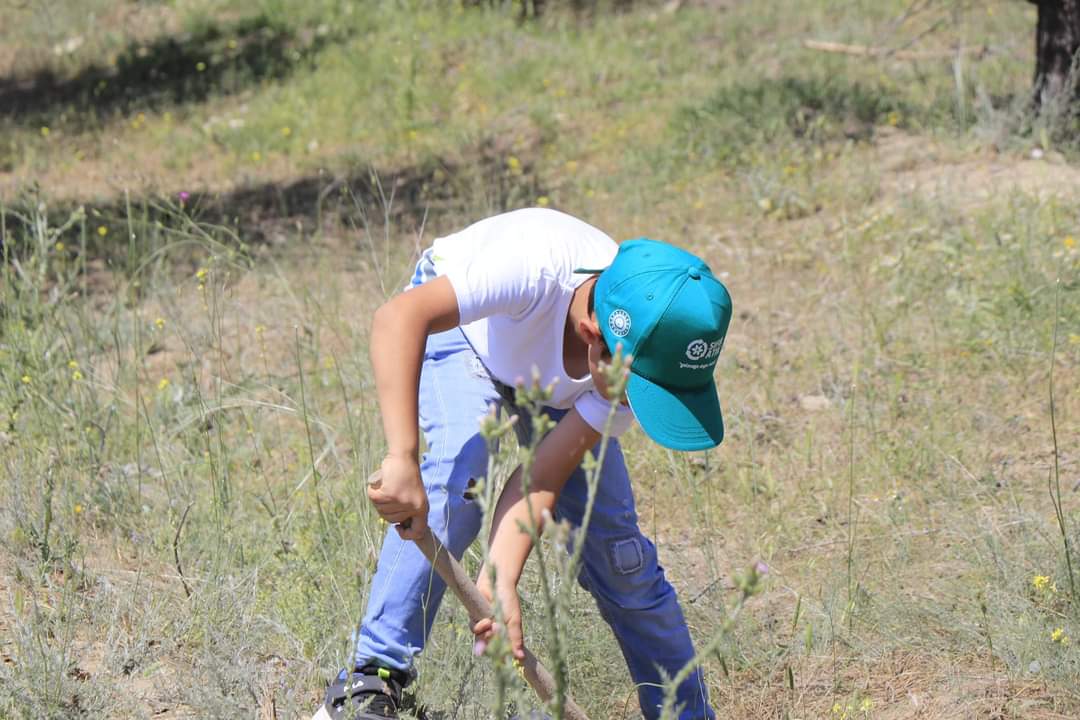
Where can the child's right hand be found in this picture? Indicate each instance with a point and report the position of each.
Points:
(399, 496)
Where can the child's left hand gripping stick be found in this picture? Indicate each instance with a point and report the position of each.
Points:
(450, 570)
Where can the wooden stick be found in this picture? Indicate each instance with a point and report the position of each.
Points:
(869, 51)
(459, 582)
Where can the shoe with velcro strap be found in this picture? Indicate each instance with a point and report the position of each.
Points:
(369, 693)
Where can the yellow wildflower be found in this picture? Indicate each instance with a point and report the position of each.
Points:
(1043, 583)
(78, 509)
(25, 379)
(893, 118)
(1069, 242)
(200, 274)
(260, 329)
(159, 323)
(163, 383)
(200, 66)
(543, 201)
(45, 131)
(76, 376)
(513, 163)
(59, 246)
(102, 230)
(866, 705)
(286, 131)
(73, 364)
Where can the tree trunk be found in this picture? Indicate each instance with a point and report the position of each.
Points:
(1057, 41)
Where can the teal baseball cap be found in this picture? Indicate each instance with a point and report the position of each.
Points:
(669, 311)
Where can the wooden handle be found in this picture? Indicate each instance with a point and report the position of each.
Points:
(455, 577)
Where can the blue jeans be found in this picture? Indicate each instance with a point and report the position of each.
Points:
(619, 566)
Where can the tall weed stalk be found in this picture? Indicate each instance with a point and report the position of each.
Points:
(1054, 476)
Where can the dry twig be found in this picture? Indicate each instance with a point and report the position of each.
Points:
(883, 52)
(176, 550)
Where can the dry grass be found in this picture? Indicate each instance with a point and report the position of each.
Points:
(885, 384)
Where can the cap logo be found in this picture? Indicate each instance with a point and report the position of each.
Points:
(697, 349)
(619, 322)
(702, 354)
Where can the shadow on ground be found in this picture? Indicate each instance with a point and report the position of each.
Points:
(277, 213)
(178, 69)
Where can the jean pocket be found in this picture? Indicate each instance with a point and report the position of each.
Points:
(626, 555)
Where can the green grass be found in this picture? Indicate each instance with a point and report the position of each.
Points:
(186, 410)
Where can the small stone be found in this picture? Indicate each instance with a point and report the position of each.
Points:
(815, 403)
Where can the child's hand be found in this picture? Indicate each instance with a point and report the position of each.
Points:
(399, 497)
(485, 629)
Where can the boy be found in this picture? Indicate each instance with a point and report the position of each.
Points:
(484, 307)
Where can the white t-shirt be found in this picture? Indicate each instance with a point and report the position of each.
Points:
(513, 275)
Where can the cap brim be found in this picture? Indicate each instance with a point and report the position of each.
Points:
(677, 419)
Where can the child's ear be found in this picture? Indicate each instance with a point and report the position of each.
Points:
(589, 330)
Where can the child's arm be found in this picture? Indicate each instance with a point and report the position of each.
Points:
(558, 454)
(399, 331)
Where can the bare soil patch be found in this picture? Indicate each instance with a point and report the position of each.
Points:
(917, 164)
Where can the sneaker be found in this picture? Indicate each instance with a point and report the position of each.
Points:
(369, 693)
